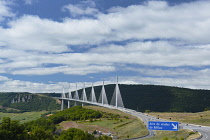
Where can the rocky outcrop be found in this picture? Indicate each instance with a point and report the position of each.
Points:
(22, 98)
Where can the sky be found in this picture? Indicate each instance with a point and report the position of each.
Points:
(48, 44)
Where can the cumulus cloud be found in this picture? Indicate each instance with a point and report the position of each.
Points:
(26, 86)
(159, 53)
(187, 82)
(66, 70)
(5, 11)
(29, 2)
(3, 78)
(106, 59)
(83, 8)
(10, 85)
(134, 22)
(31, 45)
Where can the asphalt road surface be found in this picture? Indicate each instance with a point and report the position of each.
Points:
(203, 130)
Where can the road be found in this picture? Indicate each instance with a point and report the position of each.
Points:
(203, 130)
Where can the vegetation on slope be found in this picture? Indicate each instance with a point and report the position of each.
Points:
(24, 117)
(45, 127)
(199, 118)
(26, 102)
(158, 98)
(138, 97)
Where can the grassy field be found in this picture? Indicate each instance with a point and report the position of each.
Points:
(23, 117)
(171, 135)
(200, 118)
(126, 126)
(113, 111)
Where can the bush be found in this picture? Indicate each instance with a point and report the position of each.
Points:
(165, 138)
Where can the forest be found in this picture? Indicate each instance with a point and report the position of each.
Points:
(158, 98)
(155, 98)
(23, 102)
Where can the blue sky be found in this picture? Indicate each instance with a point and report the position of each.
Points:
(45, 44)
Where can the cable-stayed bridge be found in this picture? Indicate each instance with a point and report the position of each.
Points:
(116, 101)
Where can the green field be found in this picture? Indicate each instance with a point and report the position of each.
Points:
(141, 130)
(126, 126)
(199, 118)
(136, 127)
(23, 117)
(171, 135)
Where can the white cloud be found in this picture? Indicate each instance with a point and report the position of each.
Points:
(66, 70)
(158, 20)
(35, 46)
(187, 82)
(3, 78)
(29, 2)
(32, 33)
(106, 59)
(200, 81)
(10, 85)
(83, 8)
(5, 11)
(76, 10)
(185, 23)
(160, 53)
(26, 86)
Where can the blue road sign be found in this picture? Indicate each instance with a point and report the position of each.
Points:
(167, 126)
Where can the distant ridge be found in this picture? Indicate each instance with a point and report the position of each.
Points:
(25, 101)
(158, 97)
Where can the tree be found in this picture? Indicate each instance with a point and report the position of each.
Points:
(104, 137)
(12, 130)
(75, 134)
(39, 133)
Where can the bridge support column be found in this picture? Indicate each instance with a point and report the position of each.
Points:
(75, 103)
(68, 104)
(62, 104)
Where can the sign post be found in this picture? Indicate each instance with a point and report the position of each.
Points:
(167, 126)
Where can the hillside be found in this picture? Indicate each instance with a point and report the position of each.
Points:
(158, 98)
(138, 97)
(27, 102)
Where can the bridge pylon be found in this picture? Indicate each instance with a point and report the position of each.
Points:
(84, 96)
(116, 101)
(92, 97)
(70, 96)
(117, 98)
(76, 96)
(103, 98)
(62, 98)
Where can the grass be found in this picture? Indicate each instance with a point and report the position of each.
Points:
(126, 126)
(193, 136)
(171, 135)
(23, 117)
(199, 118)
(138, 129)
(113, 111)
